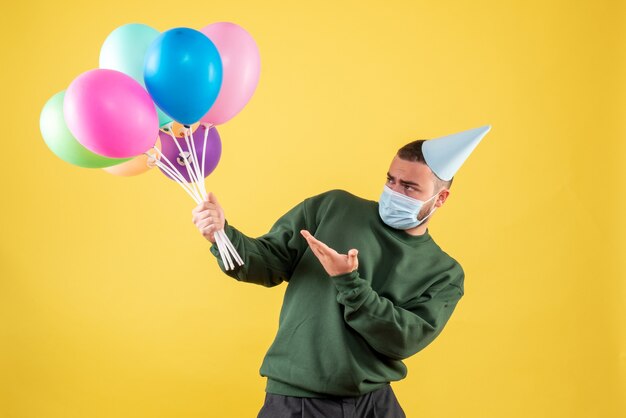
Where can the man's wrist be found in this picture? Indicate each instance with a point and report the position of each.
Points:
(345, 275)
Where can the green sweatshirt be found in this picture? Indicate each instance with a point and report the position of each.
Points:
(346, 335)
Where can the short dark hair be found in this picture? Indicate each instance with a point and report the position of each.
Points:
(413, 152)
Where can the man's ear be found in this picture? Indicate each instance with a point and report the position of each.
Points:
(443, 195)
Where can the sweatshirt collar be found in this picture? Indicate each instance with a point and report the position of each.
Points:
(405, 237)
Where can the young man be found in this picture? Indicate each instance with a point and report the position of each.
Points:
(367, 285)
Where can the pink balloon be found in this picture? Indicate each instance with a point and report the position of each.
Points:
(241, 66)
(111, 114)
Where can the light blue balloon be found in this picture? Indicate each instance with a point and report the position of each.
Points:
(183, 74)
(125, 49)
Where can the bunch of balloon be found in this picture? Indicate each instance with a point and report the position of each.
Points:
(200, 79)
(155, 101)
(106, 118)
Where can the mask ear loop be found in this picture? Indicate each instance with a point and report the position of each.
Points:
(430, 213)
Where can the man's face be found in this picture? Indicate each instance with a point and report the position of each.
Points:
(415, 180)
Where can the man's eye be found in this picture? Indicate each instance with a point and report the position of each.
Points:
(407, 187)
(389, 180)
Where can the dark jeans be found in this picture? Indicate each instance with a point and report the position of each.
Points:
(381, 403)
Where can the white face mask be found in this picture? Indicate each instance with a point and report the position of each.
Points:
(400, 211)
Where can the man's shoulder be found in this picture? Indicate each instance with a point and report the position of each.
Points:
(337, 204)
(451, 267)
(337, 195)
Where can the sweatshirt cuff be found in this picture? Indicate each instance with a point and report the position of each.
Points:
(352, 289)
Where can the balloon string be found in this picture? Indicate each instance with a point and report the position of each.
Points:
(230, 246)
(223, 246)
(192, 147)
(233, 249)
(171, 166)
(193, 160)
(223, 250)
(189, 138)
(191, 174)
(175, 170)
(167, 160)
(221, 234)
(206, 134)
(180, 183)
(222, 241)
(180, 150)
(171, 170)
(175, 176)
(192, 178)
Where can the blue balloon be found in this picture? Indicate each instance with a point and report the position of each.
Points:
(183, 73)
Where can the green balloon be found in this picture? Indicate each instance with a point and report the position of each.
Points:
(124, 50)
(61, 141)
(163, 118)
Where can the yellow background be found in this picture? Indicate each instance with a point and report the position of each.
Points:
(112, 306)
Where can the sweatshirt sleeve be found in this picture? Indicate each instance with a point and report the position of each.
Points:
(396, 331)
(270, 258)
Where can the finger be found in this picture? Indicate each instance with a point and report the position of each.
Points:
(198, 208)
(353, 259)
(212, 198)
(214, 220)
(207, 213)
(320, 255)
(206, 228)
(323, 247)
(206, 222)
(307, 236)
(322, 251)
(199, 216)
(314, 245)
(316, 248)
(312, 240)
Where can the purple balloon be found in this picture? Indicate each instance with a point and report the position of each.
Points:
(171, 151)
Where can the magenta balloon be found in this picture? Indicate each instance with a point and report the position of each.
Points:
(171, 151)
(241, 66)
(111, 114)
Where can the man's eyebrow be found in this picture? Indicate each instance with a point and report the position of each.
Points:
(403, 181)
